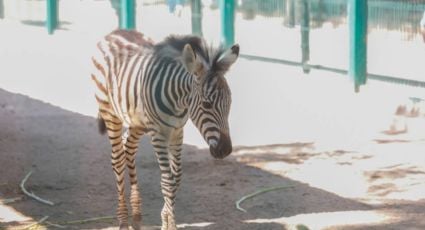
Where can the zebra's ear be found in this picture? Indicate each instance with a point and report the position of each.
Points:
(189, 58)
(228, 57)
(193, 62)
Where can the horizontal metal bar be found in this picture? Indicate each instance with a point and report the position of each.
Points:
(376, 77)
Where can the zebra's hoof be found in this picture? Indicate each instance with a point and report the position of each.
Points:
(171, 223)
(136, 226)
(170, 227)
(136, 223)
(123, 226)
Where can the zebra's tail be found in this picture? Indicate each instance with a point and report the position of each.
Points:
(101, 125)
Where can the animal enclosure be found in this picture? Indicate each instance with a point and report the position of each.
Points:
(344, 160)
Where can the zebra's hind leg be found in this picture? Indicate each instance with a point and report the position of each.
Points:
(118, 159)
(131, 146)
(175, 148)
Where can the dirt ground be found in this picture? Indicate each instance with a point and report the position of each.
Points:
(71, 167)
(70, 164)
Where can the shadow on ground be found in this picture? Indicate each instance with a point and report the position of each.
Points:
(70, 161)
(41, 23)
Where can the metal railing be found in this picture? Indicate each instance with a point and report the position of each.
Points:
(301, 20)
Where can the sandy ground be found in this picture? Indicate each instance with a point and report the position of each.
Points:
(338, 189)
(334, 149)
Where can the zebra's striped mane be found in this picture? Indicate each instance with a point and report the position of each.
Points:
(173, 45)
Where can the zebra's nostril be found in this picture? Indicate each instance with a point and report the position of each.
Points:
(212, 143)
(222, 149)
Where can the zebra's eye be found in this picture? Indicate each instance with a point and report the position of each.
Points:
(206, 105)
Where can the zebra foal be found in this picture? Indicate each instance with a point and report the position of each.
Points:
(153, 89)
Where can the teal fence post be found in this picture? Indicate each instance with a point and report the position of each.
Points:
(127, 14)
(289, 19)
(196, 8)
(1, 9)
(227, 8)
(52, 16)
(305, 35)
(357, 13)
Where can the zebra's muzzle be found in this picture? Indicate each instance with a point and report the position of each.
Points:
(223, 148)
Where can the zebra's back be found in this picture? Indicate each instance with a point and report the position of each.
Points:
(119, 62)
(141, 83)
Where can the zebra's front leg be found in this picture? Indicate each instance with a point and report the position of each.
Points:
(168, 183)
(175, 148)
(131, 146)
(118, 160)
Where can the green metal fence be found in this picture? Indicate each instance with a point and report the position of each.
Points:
(380, 39)
(383, 41)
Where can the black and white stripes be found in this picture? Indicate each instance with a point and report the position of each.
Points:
(153, 89)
